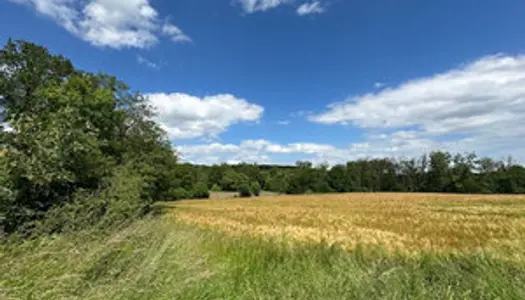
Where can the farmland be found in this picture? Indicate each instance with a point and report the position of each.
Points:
(334, 246)
(408, 222)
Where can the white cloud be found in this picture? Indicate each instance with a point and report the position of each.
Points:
(479, 106)
(264, 151)
(106, 23)
(186, 116)
(251, 6)
(175, 33)
(258, 151)
(309, 8)
(400, 144)
(144, 61)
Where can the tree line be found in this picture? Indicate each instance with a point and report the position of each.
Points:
(434, 172)
(81, 149)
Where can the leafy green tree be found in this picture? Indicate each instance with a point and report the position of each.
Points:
(255, 188)
(462, 176)
(439, 176)
(231, 180)
(178, 194)
(216, 188)
(244, 190)
(200, 191)
(278, 181)
(338, 179)
(73, 131)
(410, 176)
(353, 174)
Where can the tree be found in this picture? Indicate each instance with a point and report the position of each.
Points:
(178, 194)
(27, 67)
(410, 175)
(200, 191)
(462, 176)
(74, 133)
(244, 190)
(353, 173)
(231, 180)
(439, 172)
(338, 179)
(278, 181)
(255, 188)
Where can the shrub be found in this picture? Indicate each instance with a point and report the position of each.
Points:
(116, 203)
(256, 188)
(200, 191)
(244, 190)
(216, 188)
(178, 194)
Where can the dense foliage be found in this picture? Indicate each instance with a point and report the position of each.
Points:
(79, 148)
(435, 172)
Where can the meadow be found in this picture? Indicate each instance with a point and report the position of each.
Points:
(334, 246)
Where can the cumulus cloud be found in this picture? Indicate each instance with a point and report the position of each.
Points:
(107, 23)
(251, 6)
(186, 116)
(478, 106)
(257, 151)
(401, 144)
(309, 8)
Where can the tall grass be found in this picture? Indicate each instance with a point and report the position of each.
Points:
(158, 258)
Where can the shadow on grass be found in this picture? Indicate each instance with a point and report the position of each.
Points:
(161, 208)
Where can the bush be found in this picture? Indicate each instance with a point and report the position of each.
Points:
(256, 188)
(244, 190)
(178, 194)
(116, 203)
(200, 191)
(216, 188)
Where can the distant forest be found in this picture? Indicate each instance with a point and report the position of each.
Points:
(435, 172)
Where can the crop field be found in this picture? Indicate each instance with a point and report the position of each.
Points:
(410, 223)
(280, 247)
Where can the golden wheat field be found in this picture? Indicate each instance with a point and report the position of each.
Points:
(406, 222)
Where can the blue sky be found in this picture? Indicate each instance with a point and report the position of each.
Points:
(281, 80)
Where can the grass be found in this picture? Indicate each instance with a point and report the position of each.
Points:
(172, 257)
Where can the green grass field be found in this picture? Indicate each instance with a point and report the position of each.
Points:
(171, 257)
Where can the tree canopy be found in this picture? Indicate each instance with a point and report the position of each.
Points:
(71, 133)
